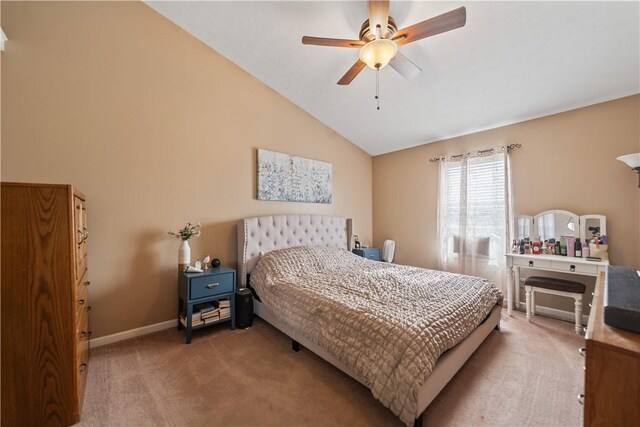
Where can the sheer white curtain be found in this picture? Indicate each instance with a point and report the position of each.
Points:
(474, 208)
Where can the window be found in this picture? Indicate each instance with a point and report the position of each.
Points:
(473, 207)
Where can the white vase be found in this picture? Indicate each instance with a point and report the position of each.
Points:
(184, 255)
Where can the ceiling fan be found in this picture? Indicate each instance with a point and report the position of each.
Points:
(380, 38)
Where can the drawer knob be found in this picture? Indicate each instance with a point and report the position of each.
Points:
(582, 351)
(530, 263)
(84, 334)
(86, 283)
(83, 367)
(589, 305)
(80, 301)
(581, 399)
(572, 267)
(213, 285)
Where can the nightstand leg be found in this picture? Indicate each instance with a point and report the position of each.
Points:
(189, 321)
(295, 345)
(232, 303)
(179, 308)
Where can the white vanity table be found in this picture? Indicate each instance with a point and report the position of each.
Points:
(550, 224)
(555, 263)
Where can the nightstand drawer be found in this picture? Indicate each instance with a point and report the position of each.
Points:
(209, 286)
(369, 253)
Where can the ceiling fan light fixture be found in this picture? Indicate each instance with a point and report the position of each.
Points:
(377, 53)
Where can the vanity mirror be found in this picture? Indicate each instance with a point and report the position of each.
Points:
(556, 223)
(553, 224)
(523, 227)
(590, 225)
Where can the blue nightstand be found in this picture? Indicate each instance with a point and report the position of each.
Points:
(211, 285)
(368, 253)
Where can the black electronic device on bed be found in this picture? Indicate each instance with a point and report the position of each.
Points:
(622, 298)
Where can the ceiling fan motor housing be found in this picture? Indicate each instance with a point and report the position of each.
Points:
(367, 35)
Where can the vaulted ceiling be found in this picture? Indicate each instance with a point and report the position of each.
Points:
(512, 61)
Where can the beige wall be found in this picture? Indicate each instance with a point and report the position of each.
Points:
(567, 161)
(156, 129)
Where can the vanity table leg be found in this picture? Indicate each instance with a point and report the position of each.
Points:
(578, 309)
(516, 285)
(527, 301)
(533, 302)
(509, 291)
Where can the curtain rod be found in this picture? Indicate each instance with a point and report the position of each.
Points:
(490, 150)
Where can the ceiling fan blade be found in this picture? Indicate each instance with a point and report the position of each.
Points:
(378, 15)
(352, 73)
(321, 41)
(404, 66)
(439, 24)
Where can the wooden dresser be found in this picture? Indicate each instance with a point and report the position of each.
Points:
(45, 304)
(612, 377)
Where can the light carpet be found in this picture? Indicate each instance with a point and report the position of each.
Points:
(524, 374)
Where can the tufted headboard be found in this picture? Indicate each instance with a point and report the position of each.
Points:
(267, 233)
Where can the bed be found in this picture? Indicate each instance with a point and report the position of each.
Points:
(360, 315)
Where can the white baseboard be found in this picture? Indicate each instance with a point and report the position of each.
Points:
(131, 333)
(569, 316)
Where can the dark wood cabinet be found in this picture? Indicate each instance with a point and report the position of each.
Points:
(45, 304)
(612, 370)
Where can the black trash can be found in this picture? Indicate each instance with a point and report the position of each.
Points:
(244, 308)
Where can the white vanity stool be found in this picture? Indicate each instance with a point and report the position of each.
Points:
(549, 285)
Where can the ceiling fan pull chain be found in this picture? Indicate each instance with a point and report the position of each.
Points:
(378, 88)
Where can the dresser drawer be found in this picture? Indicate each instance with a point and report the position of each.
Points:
(531, 263)
(209, 286)
(574, 268)
(82, 324)
(82, 366)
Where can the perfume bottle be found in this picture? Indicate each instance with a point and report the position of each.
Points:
(535, 248)
(563, 246)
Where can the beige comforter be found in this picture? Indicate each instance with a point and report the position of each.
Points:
(387, 323)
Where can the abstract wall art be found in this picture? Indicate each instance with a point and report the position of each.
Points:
(293, 179)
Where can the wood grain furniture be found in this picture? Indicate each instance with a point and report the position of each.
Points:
(545, 225)
(268, 233)
(211, 285)
(550, 285)
(612, 370)
(45, 304)
(369, 253)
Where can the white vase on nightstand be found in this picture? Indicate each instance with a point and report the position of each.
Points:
(184, 255)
